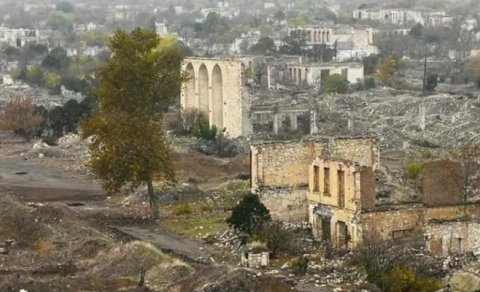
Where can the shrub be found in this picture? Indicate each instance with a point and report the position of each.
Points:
(413, 170)
(405, 279)
(432, 82)
(203, 130)
(21, 226)
(276, 236)
(336, 83)
(183, 209)
(300, 265)
(427, 154)
(184, 122)
(369, 83)
(249, 215)
(50, 140)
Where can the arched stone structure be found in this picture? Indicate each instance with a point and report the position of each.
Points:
(217, 90)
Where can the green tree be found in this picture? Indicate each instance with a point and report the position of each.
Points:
(370, 63)
(264, 46)
(65, 6)
(432, 82)
(60, 21)
(130, 147)
(294, 44)
(52, 82)
(386, 69)
(249, 215)
(56, 60)
(56, 121)
(320, 53)
(34, 76)
(336, 83)
(416, 31)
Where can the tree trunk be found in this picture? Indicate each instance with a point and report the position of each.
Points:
(153, 199)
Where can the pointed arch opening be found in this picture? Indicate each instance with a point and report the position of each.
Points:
(190, 88)
(203, 97)
(217, 97)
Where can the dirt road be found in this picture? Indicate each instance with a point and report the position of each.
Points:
(41, 184)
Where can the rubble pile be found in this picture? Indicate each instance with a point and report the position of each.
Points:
(396, 117)
(69, 146)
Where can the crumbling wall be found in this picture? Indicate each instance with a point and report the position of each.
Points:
(445, 238)
(442, 183)
(277, 165)
(280, 171)
(288, 204)
(367, 188)
(387, 223)
(360, 150)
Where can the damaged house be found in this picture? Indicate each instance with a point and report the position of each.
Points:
(333, 183)
(348, 42)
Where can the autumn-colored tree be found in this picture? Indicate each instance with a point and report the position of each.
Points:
(19, 116)
(136, 84)
(386, 69)
(472, 69)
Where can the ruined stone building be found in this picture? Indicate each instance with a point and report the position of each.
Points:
(216, 88)
(19, 37)
(403, 16)
(315, 74)
(333, 183)
(349, 43)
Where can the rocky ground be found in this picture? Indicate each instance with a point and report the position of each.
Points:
(69, 235)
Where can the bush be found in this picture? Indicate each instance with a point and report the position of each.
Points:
(413, 170)
(395, 266)
(432, 82)
(276, 236)
(185, 122)
(427, 154)
(300, 265)
(20, 225)
(203, 130)
(405, 279)
(50, 140)
(249, 215)
(369, 83)
(336, 83)
(183, 209)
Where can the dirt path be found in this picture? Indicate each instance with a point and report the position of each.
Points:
(43, 184)
(188, 249)
(40, 184)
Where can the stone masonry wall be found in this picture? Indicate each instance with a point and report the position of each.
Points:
(287, 205)
(384, 223)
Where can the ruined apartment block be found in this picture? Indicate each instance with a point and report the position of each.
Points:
(280, 170)
(216, 89)
(316, 74)
(332, 182)
(348, 42)
(404, 16)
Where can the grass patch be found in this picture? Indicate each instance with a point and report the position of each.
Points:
(196, 226)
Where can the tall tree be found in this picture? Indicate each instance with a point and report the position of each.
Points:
(136, 84)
